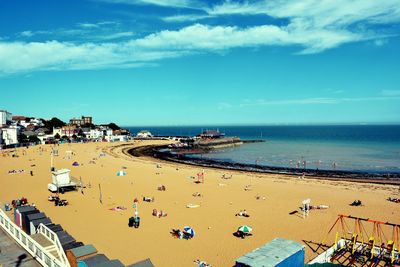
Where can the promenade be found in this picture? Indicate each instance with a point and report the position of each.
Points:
(11, 254)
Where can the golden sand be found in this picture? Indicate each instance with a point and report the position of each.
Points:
(94, 223)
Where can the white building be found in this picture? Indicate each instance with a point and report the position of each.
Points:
(100, 133)
(45, 137)
(5, 118)
(57, 131)
(144, 134)
(95, 134)
(117, 138)
(10, 136)
(35, 122)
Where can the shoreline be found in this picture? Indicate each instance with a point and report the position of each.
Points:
(360, 177)
(270, 201)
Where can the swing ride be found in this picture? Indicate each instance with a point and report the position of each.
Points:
(365, 244)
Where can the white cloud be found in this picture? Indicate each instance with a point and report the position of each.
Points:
(380, 42)
(235, 8)
(224, 105)
(117, 35)
(55, 55)
(165, 3)
(316, 100)
(26, 34)
(182, 18)
(390, 92)
(311, 25)
(88, 25)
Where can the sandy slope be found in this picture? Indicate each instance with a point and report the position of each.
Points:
(214, 221)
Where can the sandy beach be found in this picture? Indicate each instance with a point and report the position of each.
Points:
(214, 220)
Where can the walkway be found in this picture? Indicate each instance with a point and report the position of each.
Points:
(12, 255)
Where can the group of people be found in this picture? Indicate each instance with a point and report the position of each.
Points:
(57, 201)
(181, 234)
(159, 213)
(393, 199)
(161, 188)
(19, 202)
(134, 221)
(241, 234)
(15, 171)
(356, 203)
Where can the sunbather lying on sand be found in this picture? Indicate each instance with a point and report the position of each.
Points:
(225, 176)
(196, 194)
(148, 199)
(177, 233)
(242, 213)
(356, 203)
(201, 263)
(260, 197)
(53, 198)
(118, 208)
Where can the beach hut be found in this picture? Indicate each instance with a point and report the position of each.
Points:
(54, 227)
(279, 252)
(80, 253)
(143, 263)
(93, 261)
(34, 224)
(73, 245)
(19, 211)
(65, 238)
(121, 173)
(111, 263)
(32, 217)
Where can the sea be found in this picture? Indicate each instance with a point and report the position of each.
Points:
(361, 148)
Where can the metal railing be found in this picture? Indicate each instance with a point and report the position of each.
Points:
(39, 253)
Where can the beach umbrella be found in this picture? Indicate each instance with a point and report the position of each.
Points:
(121, 173)
(189, 230)
(75, 164)
(245, 229)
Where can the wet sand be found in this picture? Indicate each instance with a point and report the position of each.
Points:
(91, 222)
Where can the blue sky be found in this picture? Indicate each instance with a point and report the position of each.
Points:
(189, 62)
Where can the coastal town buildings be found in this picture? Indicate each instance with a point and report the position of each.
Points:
(67, 130)
(82, 121)
(10, 135)
(100, 133)
(23, 130)
(5, 118)
(144, 134)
